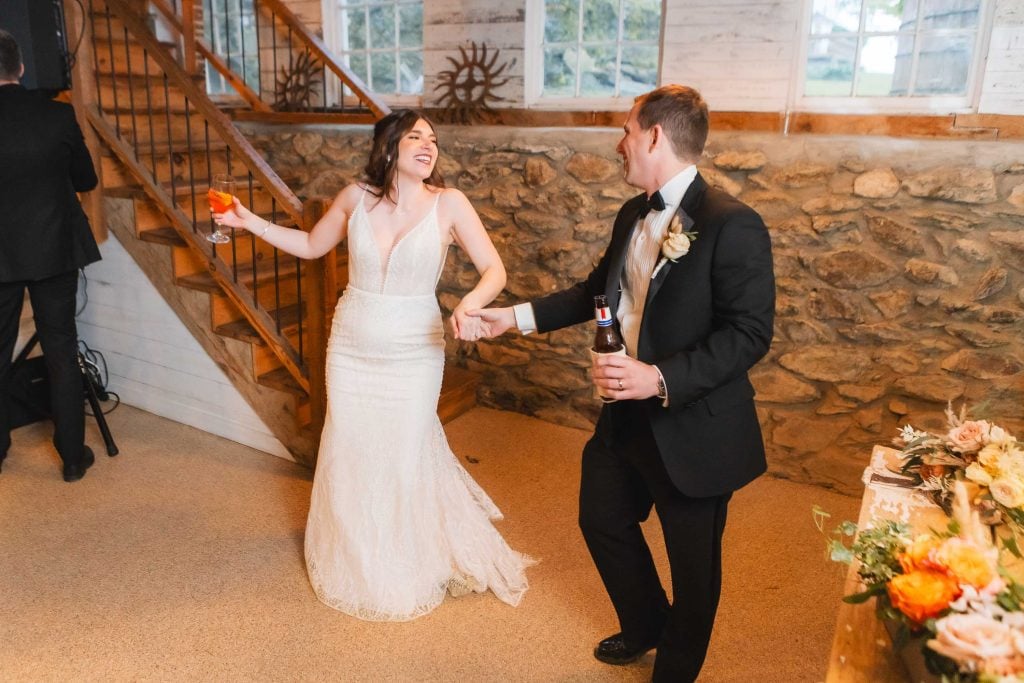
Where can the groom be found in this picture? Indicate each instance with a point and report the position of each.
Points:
(683, 434)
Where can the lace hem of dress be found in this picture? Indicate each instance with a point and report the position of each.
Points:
(457, 586)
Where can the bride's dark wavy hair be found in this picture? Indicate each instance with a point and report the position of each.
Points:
(382, 165)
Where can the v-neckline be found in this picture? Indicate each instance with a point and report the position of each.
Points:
(385, 259)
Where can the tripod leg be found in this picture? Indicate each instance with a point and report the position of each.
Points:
(97, 412)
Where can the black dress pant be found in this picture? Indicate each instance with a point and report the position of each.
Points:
(53, 307)
(620, 482)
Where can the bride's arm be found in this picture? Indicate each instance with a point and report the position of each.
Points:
(325, 235)
(469, 233)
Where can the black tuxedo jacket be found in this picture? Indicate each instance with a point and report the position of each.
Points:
(43, 162)
(707, 320)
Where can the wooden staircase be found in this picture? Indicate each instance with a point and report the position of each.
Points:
(261, 314)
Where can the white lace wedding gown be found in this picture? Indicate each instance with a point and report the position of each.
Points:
(395, 521)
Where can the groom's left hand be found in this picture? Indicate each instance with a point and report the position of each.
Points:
(624, 378)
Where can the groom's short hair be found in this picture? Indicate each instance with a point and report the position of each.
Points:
(10, 57)
(682, 114)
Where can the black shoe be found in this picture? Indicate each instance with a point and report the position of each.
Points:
(615, 650)
(77, 471)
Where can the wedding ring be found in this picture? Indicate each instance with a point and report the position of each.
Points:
(620, 385)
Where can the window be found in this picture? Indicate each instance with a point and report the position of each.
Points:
(593, 49)
(382, 42)
(230, 28)
(905, 50)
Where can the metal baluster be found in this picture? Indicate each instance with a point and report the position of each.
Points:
(149, 113)
(252, 246)
(92, 36)
(234, 242)
(298, 296)
(277, 271)
(170, 146)
(259, 54)
(209, 172)
(241, 36)
(131, 90)
(191, 165)
(113, 76)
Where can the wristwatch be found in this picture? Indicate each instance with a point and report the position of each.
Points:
(662, 389)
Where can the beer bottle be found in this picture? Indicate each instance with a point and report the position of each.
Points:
(606, 340)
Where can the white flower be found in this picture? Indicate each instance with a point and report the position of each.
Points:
(978, 474)
(998, 435)
(1007, 491)
(675, 245)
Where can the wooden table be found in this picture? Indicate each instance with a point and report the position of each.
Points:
(861, 648)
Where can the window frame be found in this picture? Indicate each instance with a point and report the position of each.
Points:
(334, 30)
(867, 104)
(533, 68)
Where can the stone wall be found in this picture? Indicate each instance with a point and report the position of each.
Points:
(899, 266)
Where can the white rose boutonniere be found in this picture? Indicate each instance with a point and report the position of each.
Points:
(675, 245)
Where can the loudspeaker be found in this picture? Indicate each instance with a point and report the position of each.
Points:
(29, 397)
(38, 26)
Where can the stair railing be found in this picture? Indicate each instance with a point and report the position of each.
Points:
(174, 159)
(262, 49)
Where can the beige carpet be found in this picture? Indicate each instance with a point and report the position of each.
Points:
(181, 559)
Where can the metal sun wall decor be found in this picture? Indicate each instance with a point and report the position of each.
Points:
(295, 87)
(468, 88)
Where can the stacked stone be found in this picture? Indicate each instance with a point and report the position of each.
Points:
(899, 265)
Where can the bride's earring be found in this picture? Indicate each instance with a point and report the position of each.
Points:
(387, 159)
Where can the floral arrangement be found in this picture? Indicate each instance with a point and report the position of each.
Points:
(980, 453)
(675, 245)
(943, 590)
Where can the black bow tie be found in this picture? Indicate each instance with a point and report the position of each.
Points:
(652, 203)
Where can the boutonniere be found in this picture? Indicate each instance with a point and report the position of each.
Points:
(675, 245)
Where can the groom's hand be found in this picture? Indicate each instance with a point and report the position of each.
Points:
(624, 378)
(497, 321)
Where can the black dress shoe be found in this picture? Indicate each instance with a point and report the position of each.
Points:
(615, 650)
(74, 472)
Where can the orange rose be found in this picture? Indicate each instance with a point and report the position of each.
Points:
(966, 563)
(917, 554)
(922, 594)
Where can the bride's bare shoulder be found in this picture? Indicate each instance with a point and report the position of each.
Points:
(350, 194)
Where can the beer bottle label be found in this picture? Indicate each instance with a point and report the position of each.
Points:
(604, 316)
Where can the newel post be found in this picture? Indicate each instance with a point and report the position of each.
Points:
(321, 286)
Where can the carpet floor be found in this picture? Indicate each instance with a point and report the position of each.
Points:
(181, 559)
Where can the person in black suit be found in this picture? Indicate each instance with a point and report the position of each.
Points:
(46, 239)
(683, 433)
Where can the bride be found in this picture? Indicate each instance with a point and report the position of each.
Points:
(395, 522)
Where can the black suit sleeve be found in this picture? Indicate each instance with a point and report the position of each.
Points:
(743, 312)
(83, 174)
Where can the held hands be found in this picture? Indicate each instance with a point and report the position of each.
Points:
(469, 328)
(624, 378)
(498, 320)
(239, 217)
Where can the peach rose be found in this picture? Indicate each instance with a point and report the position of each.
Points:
(918, 553)
(922, 594)
(966, 563)
(969, 436)
(973, 639)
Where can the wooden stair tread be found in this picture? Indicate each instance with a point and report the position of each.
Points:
(281, 380)
(166, 235)
(243, 330)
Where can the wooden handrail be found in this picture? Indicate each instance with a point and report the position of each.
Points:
(188, 36)
(316, 45)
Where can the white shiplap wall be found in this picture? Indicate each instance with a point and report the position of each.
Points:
(153, 360)
(1002, 90)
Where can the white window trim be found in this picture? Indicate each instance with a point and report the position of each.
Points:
(533, 69)
(937, 104)
(330, 11)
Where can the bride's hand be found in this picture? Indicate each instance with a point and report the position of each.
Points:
(468, 328)
(239, 217)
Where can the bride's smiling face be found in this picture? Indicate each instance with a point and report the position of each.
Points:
(417, 151)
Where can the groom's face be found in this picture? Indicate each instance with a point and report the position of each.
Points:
(635, 149)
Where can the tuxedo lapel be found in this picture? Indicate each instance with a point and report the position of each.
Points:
(657, 281)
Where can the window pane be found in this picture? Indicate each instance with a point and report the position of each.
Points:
(410, 25)
(597, 71)
(835, 16)
(883, 15)
(559, 72)
(638, 71)
(356, 30)
(949, 14)
(411, 72)
(561, 21)
(877, 65)
(642, 20)
(382, 28)
(382, 70)
(944, 64)
(830, 66)
(357, 62)
(600, 20)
